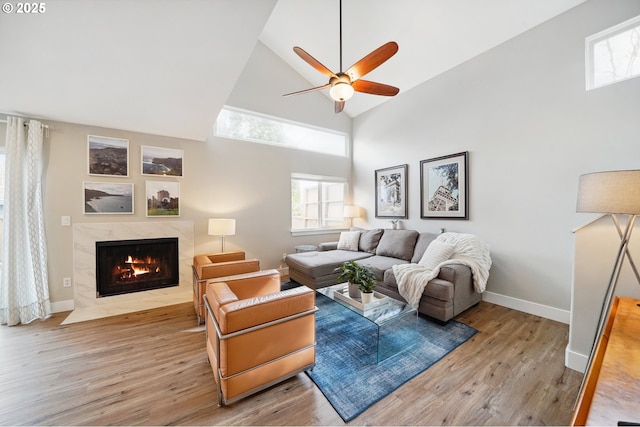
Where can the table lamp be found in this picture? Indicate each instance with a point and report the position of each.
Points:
(222, 227)
(350, 211)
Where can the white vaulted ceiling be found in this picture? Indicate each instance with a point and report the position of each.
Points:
(167, 66)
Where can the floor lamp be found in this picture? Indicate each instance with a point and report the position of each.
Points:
(614, 192)
(222, 227)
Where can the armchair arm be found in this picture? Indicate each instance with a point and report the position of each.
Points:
(252, 284)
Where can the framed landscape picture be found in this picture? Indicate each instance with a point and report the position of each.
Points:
(160, 161)
(107, 156)
(107, 198)
(391, 192)
(163, 198)
(444, 187)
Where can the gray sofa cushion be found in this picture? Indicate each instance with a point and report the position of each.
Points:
(318, 264)
(379, 264)
(424, 239)
(369, 240)
(397, 244)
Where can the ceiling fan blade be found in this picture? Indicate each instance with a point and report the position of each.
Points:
(313, 62)
(374, 88)
(372, 60)
(338, 106)
(313, 89)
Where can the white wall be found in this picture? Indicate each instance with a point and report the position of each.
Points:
(522, 112)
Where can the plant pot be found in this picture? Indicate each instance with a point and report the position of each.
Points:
(354, 292)
(366, 297)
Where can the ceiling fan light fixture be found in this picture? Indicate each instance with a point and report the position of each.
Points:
(341, 91)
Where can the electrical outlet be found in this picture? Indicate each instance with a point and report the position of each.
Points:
(66, 282)
(66, 221)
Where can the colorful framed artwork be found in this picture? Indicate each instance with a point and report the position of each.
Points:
(163, 198)
(107, 198)
(444, 187)
(161, 161)
(391, 192)
(107, 156)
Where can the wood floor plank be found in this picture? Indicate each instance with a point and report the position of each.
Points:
(150, 368)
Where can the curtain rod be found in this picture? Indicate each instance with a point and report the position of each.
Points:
(45, 127)
(27, 124)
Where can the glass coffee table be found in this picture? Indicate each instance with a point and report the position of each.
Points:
(384, 312)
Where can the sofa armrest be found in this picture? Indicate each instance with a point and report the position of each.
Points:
(327, 246)
(252, 312)
(251, 284)
(218, 269)
(450, 272)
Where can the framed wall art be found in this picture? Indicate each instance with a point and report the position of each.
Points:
(160, 161)
(107, 156)
(107, 198)
(444, 187)
(163, 198)
(391, 192)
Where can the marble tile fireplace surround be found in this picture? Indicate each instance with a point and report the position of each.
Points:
(87, 306)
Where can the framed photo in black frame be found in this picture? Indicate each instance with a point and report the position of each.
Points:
(391, 192)
(444, 187)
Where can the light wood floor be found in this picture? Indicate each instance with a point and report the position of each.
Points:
(150, 368)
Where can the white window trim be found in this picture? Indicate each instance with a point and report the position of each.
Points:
(322, 178)
(595, 38)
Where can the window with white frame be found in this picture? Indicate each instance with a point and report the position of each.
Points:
(250, 126)
(613, 55)
(317, 202)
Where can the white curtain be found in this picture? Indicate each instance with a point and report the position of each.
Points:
(24, 285)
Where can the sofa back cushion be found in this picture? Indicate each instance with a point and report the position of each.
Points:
(424, 239)
(397, 244)
(369, 240)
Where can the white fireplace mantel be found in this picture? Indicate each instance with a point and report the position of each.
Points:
(85, 235)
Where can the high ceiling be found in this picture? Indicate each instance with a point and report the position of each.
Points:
(167, 66)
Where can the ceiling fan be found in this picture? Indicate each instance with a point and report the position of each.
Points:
(342, 85)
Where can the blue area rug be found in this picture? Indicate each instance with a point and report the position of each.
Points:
(346, 371)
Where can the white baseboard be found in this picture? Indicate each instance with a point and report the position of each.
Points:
(552, 313)
(575, 361)
(60, 306)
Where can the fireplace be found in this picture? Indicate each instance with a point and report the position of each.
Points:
(126, 266)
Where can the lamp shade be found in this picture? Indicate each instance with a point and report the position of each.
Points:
(350, 211)
(222, 227)
(615, 192)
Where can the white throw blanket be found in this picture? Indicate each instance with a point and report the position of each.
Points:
(469, 250)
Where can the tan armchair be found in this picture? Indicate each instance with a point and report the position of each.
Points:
(257, 335)
(220, 264)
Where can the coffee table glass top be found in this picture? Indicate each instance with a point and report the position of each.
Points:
(383, 311)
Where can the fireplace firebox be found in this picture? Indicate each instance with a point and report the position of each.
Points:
(125, 266)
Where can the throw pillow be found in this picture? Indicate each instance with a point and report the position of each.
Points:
(349, 240)
(369, 240)
(437, 252)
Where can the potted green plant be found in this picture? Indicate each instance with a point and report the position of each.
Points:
(359, 277)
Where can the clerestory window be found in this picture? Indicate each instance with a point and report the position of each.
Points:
(613, 55)
(250, 126)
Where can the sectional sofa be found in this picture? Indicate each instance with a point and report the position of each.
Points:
(444, 296)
